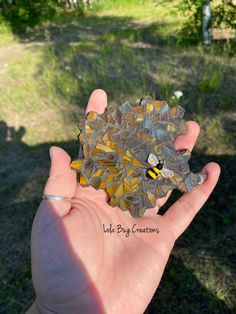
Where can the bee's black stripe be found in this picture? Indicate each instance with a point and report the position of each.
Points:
(154, 169)
(152, 173)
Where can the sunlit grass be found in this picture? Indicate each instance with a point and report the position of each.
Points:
(148, 10)
(130, 53)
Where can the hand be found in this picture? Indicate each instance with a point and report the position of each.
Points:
(77, 267)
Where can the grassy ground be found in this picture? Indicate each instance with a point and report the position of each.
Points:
(47, 75)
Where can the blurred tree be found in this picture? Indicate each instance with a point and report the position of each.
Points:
(23, 13)
(201, 18)
(206, 22)
(225, 13)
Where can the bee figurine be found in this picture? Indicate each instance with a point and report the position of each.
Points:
(158, 167)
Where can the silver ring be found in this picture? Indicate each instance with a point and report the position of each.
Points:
(55, 198)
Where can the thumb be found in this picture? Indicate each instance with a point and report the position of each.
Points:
(61, 181)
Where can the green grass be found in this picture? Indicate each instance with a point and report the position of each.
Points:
(47, 76)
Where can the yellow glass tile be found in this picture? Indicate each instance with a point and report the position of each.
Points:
(128, 154)
(88, 130)
(149, 107)
(119, 190)
(82, 180)
(126, 160)
(86, 150)
(111, 120)
(111, 144)
(120, 151)
(92, 115)
(81, 137)
(129, 172)
(99, 138)
(136, 163)
(102, 184)
(99, 173)
(94, 151)
(110, 190)
(117, 177)
(139, 117)
(114, 170)
(171, 128)
(109, 179)
(104, 148)
(106, 163)
(113, 201)
(77, 164)
(151, 198)
(107, 136)
(158, 104)
(122, 204)
(134, 184)
(173, 111)
(127, 187)
(137, 109)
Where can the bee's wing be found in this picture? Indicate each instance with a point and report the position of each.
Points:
(152, 160)
(167, 173)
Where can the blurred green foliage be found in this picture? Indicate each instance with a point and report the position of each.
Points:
(23, 13)
(20, 14)
(223, 15)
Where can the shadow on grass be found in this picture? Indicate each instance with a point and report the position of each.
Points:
(129, 60)
(180, 291)
(209, 242)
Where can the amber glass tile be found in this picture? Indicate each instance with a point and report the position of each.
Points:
(115, 147)
(77, 164)
(92, 115)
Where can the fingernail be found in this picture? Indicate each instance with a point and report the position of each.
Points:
(51, 151)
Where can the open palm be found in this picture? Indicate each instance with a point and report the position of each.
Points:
(77, 267)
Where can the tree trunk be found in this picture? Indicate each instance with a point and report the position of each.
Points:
(206, 23)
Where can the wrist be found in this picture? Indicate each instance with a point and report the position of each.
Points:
(34, 309)
(37, 308)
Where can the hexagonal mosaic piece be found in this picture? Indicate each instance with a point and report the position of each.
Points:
(129, 152)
